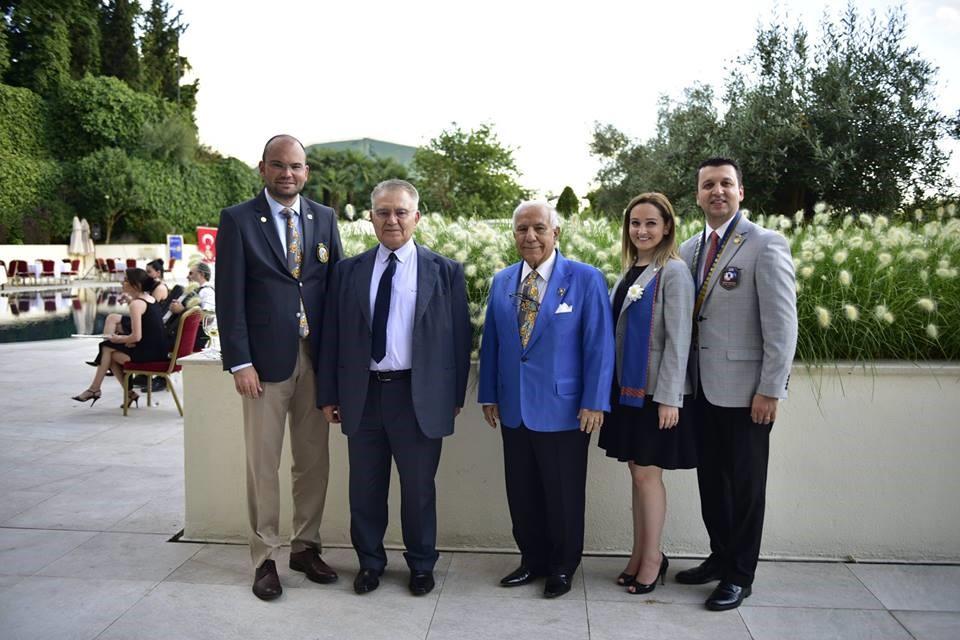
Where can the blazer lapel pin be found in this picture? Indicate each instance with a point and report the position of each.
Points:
(738, 238)
(560, 292)
(322, 254)
(263, 219)
(309, 216)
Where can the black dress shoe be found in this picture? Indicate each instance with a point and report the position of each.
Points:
(266, 582)
(521, 575)
(367, 580)
(309, 562)
(421, 582)
(557, 585)
(727, 596)
(706, 571)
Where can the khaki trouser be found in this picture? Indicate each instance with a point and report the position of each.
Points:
(263, 427)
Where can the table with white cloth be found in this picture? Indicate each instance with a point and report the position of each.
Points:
(36, 268)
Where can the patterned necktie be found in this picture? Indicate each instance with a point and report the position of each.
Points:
(381, 310)
(294, 261)
(529, 303)
(711, 256)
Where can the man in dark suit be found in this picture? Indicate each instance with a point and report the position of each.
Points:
(396, 353)
(546, 363)
(275, 257)
(744, 338)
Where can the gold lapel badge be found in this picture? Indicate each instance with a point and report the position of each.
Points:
(738, 238)
(322, 253)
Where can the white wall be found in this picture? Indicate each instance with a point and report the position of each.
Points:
(863, 465)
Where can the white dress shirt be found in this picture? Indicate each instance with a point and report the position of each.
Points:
(543, 274)
(280, 220)
(403, 305)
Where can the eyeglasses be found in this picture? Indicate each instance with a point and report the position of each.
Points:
(528, 302)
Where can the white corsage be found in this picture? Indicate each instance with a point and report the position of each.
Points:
(634, 293)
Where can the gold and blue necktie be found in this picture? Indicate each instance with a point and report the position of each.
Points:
(294, 262)
(529, 303)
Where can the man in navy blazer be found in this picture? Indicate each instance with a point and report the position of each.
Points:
(396, 349)
(546, 362)
(275, 258)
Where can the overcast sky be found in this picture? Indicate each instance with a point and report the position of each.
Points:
(541, 72)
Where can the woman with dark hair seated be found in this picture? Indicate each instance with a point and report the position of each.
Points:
(157, 288)
(144, 343)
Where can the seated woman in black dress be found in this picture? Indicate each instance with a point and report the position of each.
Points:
(156, 287)
(646, 428)
(144, 343)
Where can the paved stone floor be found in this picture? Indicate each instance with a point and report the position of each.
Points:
(90, 500)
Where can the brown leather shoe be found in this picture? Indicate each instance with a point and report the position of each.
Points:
(309, 562)
(266, 583)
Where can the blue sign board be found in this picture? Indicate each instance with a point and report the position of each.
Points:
(175, 247)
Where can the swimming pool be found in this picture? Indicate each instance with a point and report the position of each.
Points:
(51, 314)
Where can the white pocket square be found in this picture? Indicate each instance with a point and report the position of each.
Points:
(564, 308)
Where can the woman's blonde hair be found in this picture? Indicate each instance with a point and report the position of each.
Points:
(668, 245)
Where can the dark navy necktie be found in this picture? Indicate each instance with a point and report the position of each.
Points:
(381, 309)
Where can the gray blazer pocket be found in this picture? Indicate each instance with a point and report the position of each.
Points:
(744, 354)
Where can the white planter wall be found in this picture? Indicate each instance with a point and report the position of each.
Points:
(863, 465)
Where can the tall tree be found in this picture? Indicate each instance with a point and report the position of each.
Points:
(4, 47)
(39, 45)
(851, 121)
(163, 66)
(119, 55)
(468, 173)
(83, 17)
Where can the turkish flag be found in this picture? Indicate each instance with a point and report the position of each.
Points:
(207, 243)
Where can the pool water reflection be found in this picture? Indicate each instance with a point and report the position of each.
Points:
(51, 314)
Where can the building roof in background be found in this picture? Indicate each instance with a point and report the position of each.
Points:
(370, 147)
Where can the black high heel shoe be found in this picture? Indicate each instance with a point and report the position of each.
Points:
(89, 394)
(132, 398)
(626, 578)
(639, 587)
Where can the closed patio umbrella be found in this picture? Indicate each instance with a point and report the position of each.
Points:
(76, 247)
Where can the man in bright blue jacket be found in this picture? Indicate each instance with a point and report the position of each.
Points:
(546, 362)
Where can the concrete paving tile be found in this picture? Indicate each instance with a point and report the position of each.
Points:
(160, 515)
(912, 587)
(643, 621)
(144, 434)
(930, 625)
(125, 482)
(8, 581)
(52, 430)
(465, 618)
(219, 612)
(16, 502)
(22, 450)
(810, 584)
(600, 574)
(106, 453)
(64, 608)
(39, 476)
(125, 556)
(479, 574)
(26, 551)
(229, 564)
(77, 511)
(774, 623)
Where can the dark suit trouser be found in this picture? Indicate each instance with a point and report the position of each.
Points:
(389, 428)
(546, 477)
(732, 475)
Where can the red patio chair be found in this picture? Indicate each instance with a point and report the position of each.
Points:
(131, 263)
(47, 269)
(22, 271)
(170, 263)
(115, 269)
(182, 346)
(73, 270)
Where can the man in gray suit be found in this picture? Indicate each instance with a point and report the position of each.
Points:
(396, 353)
(744, 338)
